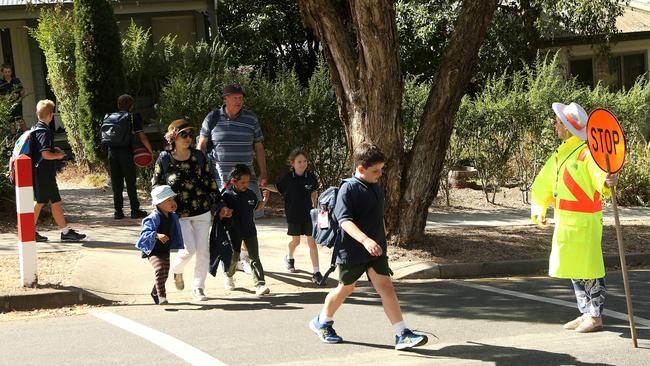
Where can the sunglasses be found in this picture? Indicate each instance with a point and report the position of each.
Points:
(184, 134)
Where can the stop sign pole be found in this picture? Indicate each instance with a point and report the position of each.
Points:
(607, 146)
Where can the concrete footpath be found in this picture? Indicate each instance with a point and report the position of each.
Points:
(110, 269)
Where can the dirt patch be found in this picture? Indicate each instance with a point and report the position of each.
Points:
(467, 198)
(461, 244)
(46, 313)
(54, 270)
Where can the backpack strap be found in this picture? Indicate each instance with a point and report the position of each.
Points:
(31, 146)
(337, 242)
(165, 161)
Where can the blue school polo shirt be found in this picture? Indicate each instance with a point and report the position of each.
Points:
(243, 205)
(363, 204)
(297, 190)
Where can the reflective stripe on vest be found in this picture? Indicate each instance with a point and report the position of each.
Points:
(583, 203)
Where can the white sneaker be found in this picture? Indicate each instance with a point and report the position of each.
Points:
(246, 265)
(262, 290)
(162, 301)
(229, 283)
(199, 295)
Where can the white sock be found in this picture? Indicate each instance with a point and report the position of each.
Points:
(323, 318)
(289, 257)
(161, 299)
(65, 231)
(399, 328)
(316, 269)
(243, 256)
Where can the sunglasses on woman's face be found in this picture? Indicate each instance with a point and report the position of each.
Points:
(184, 134)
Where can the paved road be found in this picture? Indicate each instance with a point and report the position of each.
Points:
(491, 321)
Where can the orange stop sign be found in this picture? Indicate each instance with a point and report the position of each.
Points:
(606, 140)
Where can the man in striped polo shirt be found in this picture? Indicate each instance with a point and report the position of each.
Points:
(231, 135)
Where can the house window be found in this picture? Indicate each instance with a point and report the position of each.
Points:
(7, 56)
(583, 71)
(625, 69)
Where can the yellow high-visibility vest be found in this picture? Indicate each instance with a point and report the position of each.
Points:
(573, 183)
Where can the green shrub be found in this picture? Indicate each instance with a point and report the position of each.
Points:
(99, 72)
(507, 127)
(55, 36)
(7, 139)
(195, 83)
(290, 115)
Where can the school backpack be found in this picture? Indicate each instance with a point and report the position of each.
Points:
(23, 146)
(325, 227)
(116, 129)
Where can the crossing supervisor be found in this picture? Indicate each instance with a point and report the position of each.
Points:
(575, 186)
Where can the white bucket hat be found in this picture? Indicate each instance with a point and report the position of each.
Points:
(573, 117)
(160, 193)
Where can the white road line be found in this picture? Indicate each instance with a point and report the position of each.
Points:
(168, 343)
(609, 313)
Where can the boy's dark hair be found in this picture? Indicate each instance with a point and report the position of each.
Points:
(124, 102)
(295, 153)
(367, 155)
(239, 171)
(6, 66)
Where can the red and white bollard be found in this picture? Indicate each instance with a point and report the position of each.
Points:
(26, 225)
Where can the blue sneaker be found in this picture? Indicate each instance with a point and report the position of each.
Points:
(409, 339)
(325, 331)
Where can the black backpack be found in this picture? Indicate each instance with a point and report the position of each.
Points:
(116, 129)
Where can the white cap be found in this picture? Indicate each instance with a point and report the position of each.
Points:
(160, 193)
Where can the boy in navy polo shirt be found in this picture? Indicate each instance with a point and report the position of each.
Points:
(244, 203)
(44, 168)
(359, 210)
(299, 190)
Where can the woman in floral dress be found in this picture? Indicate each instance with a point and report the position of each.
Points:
(187, 172)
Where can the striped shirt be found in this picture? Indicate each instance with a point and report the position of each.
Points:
(232, 140)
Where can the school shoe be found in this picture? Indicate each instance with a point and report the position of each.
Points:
(590, 324)
(261, 290)
(155, 297)
(573, 324)
(163, 301)
(118, 215)
(325, 332)
(229, 283)
(138, 214)
(199, 295)
(317, 278)
(72, 236)
(409, 339)
(178, 281)
(40, 238)
(290, 264)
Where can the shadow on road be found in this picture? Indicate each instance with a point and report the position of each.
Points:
(500, 356)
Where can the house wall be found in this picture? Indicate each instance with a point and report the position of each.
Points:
(600, 62)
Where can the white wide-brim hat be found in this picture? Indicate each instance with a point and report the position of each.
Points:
(160, 193)
(573, 117)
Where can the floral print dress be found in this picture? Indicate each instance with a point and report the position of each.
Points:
(191, 180)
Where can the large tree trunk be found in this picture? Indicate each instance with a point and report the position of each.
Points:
(422, 170)
(359, 39)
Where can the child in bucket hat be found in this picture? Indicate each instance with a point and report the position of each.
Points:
(161, 232)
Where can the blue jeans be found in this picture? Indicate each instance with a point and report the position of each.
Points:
(590, 295)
